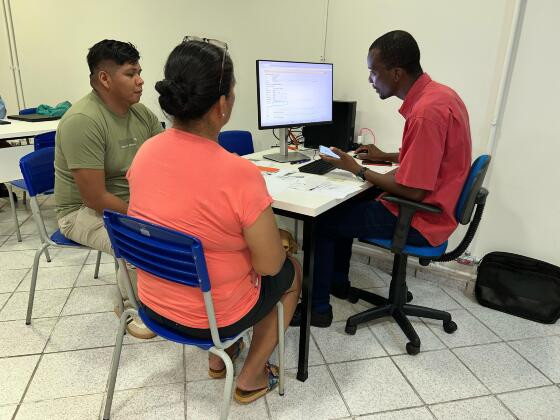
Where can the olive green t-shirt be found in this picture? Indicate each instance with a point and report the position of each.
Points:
(90, 136)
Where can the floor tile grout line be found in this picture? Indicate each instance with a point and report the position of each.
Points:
(470, 312)
(530, 363)
(62, 308)
(27, 386)
(14, 291)
(185, 407)
(336, 385)
(103, 393)
(408, 381)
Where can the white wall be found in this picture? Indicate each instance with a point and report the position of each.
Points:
(462, 45)
(56, 71)
(523, 211)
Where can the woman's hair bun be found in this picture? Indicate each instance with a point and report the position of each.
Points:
(191, 84)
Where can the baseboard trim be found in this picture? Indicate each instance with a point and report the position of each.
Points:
(451, 273)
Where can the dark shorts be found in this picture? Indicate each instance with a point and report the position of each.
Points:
(272, 289)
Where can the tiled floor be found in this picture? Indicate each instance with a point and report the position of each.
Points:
(494, 367)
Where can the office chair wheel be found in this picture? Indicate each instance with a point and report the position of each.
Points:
(350, 329)
(449, 327)
(409, 297)
(412, 349)
(352, 297)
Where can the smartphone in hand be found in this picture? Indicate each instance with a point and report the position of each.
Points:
(326, 151)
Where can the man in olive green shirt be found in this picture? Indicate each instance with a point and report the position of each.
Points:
(96, 141)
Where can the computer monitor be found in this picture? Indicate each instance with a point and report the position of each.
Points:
(339, 134)
(292, 94)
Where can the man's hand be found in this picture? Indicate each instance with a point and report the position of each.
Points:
(345, 162)
(370, 152)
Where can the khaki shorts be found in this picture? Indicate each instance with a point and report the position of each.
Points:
(86, 227)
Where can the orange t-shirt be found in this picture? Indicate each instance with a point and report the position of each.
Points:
(193, 185)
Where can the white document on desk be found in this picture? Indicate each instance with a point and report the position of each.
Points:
(336, 189)
(314, 184)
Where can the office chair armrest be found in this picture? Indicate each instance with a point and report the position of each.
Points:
(402, 202)
(407, 208)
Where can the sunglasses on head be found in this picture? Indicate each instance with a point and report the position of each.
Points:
(217, 43)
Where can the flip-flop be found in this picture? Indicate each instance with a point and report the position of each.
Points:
(221, 373)
(246, 397)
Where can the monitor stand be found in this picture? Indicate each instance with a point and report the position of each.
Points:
(284, 155)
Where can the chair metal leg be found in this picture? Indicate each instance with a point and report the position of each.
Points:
(280, 307)
(421, 311)
(228, 386)
(14, 212)
(115, 362)
(97, 262)
(47, 255)
(24, 198)
(34, 282)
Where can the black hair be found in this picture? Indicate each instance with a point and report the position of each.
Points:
(109, 49)
(399, 49)
(192, 79)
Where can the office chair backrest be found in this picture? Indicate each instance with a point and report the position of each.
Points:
(37, 169)
(163, 252)
(466, 203)
(28, 111)
(44, 140)
(237, 141)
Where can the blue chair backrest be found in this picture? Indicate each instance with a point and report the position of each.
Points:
(37, 169)
(27, 111)
(44, 140)
(163, 252)
(466, 203)
(237, 141)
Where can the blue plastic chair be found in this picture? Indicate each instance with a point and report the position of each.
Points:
(41, 140)
(38, 172)
(28, 111)
(472, 196)
(179, 258)
(237, 141)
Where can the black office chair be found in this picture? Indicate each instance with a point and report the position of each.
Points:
(397, 304)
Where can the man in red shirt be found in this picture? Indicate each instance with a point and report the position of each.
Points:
(434, 162)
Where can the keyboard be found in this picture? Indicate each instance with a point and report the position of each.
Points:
(317, 167)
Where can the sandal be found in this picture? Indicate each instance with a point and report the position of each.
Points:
(246, 397)
(221, 373)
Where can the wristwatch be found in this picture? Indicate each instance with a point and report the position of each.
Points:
(362, 173)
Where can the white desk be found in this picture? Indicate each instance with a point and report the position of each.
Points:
(308, 207)
(10, 156)
(302, 202)
(9, 162)
(21, 129)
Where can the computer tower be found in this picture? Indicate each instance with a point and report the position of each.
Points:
(339, 134)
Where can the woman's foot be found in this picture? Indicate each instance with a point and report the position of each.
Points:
(248, 391)
(216, 366)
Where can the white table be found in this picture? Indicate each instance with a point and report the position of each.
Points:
(308, 207)
(10, 156)
(21, 129)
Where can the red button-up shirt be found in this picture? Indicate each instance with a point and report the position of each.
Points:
(435, 154)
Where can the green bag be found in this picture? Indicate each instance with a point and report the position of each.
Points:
(57, 111)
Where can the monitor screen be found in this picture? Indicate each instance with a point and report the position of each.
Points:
(291, 94)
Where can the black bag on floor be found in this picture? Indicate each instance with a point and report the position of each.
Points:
(520, 286)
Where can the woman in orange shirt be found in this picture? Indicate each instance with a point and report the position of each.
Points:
(183, 179)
